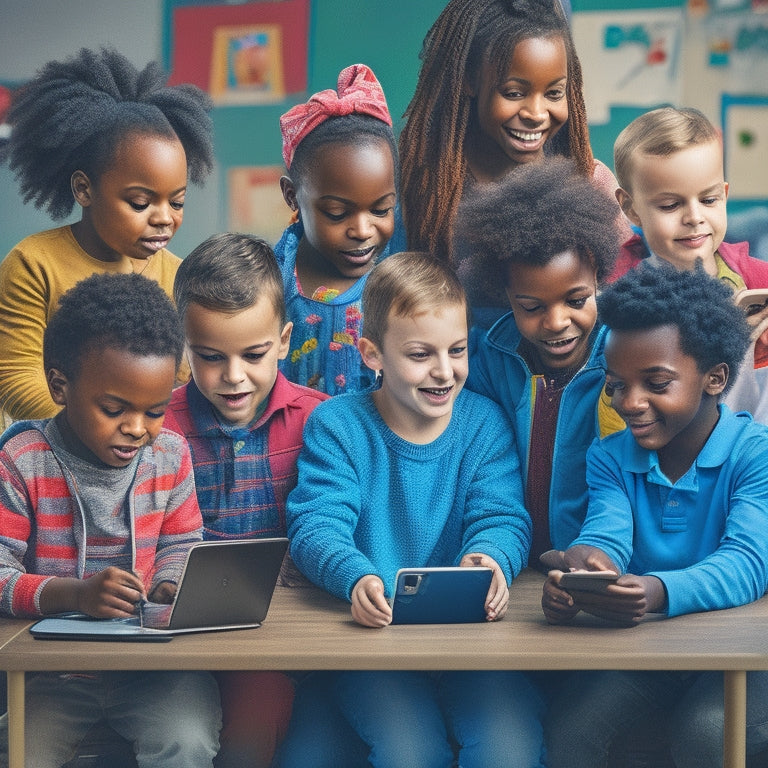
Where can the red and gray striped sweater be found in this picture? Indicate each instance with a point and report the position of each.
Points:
(43, 526)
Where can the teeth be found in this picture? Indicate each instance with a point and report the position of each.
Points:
(527, 136)
(558, 342)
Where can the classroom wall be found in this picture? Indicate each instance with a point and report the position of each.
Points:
(387, 36)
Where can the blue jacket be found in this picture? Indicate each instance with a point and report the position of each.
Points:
(706, 535)
(499, 372)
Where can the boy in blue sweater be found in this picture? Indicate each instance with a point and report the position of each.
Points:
(678, 504)
(416, 472)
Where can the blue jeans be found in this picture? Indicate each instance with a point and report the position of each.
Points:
(403, 719)
(593, 710)
(172, 718)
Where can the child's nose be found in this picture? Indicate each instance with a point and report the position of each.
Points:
(361, 227)
(162, 215)
(442, 369)
(134, 426)
(533, 108)
(694, 213)
(557, 319)
(233, 373)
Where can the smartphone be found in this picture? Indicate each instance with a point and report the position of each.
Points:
(587, 581)
(753, 300)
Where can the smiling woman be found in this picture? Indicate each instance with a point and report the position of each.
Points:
(120, 144)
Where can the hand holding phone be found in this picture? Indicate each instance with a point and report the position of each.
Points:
(587, 581)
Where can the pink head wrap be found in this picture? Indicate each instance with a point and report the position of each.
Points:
(359, 93)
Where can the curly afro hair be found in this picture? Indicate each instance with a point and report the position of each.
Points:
(126, 312)
(537, 212)
(712, 328)
(72, 115)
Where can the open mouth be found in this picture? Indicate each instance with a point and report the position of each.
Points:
(125, 452)
(437, 394)
(234, 400)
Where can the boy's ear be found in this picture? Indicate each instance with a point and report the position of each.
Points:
(625, 202)
(285, 341)
(717, 378)
(288, 189)
(57, 386)
(726, 186)
(370, 353)
(81, 188)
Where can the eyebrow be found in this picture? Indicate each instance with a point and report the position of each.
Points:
(139, 188)
(129, 404)
(575, 289)
(351, 202)
(651, 369)
(261, 345)
(528, 82)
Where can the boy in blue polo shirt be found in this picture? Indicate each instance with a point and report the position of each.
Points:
(678, 504)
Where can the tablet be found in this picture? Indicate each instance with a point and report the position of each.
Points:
(449, 595)
(587, 581)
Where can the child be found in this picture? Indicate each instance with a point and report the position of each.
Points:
(417, 472)
(678, 504)
(98, 510)
(243, 421)
(500, 87)
(670, 167)
(341, 157)
(549, 237)
(93, 130)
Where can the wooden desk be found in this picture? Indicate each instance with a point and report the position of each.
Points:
(307, 629)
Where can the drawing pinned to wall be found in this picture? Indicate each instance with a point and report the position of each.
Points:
(632, 58)
(737, 45)
(243, 53)
(247, 65)
(256, 203)
(745, 139)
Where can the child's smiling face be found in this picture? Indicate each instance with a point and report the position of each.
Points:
(518, 116)
(347, 206)
(679, 201)
(659, 391)
(555, 308)
(135, 207)
(234, 356)
(116, 404)
(424, 361)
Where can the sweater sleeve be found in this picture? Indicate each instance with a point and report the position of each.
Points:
(24, 298)
(496, 522)
(609, 522)
(324, 508)
(19, 590)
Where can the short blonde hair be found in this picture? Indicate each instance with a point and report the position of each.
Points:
(660, 132)
(408, 284)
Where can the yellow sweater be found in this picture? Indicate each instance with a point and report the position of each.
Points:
(33, 276)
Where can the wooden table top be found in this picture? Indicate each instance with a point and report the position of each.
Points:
(308, 629)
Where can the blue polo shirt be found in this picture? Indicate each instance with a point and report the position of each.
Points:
(706, 535)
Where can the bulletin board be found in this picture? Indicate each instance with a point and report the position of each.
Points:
(745, 139)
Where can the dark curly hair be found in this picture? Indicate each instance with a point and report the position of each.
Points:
(72, 115)
(356, 130)
(121, 311)
(440, 116)
(712, 328)
(537, 212)
(229, 272)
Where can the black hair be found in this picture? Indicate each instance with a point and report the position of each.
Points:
(537, 212)
(228, 273)
(712, 328)
(351, 129)
(120, 311)
(72, 115)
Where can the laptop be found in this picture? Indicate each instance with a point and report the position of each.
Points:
(224, 585)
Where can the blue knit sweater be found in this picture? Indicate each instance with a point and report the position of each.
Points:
(369, 502)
